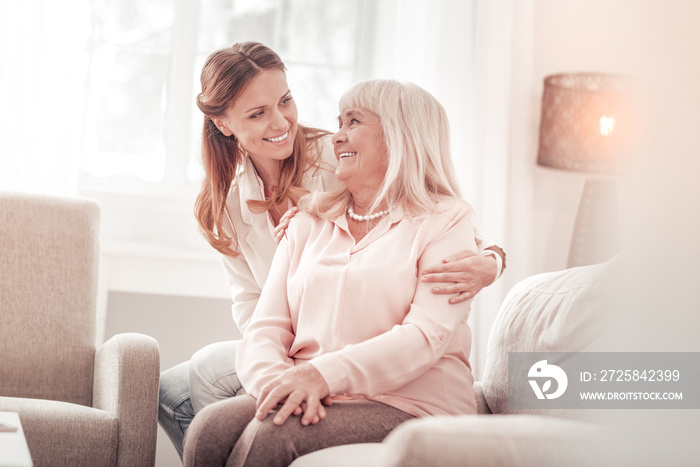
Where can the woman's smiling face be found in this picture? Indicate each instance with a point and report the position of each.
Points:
(263, 118)
(361, 151)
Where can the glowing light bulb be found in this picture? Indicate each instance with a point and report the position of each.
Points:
(607, 125)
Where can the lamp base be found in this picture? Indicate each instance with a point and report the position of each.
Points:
(596, 236)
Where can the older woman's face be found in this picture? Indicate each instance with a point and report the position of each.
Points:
(360, 149)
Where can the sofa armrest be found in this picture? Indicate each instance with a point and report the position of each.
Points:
(482, 407)
(498, 440)
(125, 384)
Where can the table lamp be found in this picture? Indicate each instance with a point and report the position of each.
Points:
(585, 127)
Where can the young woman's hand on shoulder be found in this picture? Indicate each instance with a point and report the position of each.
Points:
(281, 228)
(468, 271)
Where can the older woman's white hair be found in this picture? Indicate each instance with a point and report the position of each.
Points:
(416, 134)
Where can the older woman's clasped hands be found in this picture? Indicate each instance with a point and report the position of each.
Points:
(299, 390)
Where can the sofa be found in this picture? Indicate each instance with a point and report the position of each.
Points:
(79, 405)
(562, 311)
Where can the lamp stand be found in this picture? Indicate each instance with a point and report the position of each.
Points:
(596, 236)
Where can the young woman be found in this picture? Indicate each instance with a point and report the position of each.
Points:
(258, 162)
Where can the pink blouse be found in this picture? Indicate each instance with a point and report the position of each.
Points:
(359, 313)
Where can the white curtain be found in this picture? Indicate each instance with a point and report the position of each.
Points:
(476, 58)
(43, 46)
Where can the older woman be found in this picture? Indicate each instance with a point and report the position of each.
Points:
(344, 315)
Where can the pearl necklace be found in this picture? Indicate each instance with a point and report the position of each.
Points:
(368, 217)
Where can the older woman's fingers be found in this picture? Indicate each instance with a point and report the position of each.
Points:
(270, 397)
(263, 394)
(289, 399)
(311, 412)
(294, 386)
(289, 407)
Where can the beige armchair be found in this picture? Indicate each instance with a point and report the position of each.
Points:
(78, 406)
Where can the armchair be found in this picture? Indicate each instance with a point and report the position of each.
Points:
(78, 405)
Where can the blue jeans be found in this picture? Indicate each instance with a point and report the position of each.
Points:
(187, 388)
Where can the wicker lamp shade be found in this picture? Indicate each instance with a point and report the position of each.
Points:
(586, 122)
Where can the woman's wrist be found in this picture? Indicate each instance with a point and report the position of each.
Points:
(499, 261)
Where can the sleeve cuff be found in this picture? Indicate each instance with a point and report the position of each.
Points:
(499, 261)
(332, 372)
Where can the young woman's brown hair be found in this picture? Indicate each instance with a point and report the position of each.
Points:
(225, 75)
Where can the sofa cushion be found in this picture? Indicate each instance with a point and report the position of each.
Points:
(467, 440)
(345, 455)
(562, 311)
(493, 440)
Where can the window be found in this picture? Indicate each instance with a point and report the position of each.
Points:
(142, 127)
(130, 54)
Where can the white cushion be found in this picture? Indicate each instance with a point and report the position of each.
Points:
(562, 311)
(348, 455)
